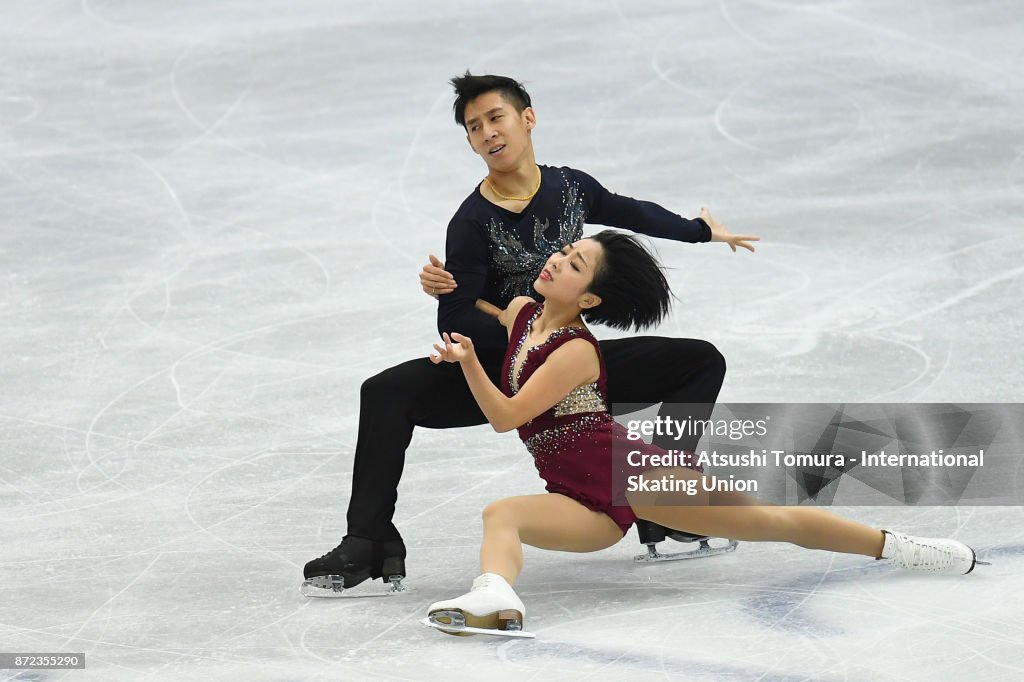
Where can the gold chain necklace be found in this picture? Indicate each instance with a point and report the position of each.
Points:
(504, 197)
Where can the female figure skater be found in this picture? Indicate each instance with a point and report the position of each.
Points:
(553, 391)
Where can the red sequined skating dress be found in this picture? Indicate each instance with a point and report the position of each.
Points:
(579, 450)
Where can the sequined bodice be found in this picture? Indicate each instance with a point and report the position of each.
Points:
(584, 408)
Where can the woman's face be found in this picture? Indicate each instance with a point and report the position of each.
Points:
(568, 273)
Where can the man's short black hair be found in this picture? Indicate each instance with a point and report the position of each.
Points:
(633, 289)
(468, 87)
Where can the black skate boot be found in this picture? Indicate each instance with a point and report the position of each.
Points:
(389, 557)
(353, 562)
(651, 534)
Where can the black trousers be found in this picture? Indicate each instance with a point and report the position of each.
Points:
(645, 370)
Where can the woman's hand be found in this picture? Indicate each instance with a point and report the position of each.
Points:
(457, 348)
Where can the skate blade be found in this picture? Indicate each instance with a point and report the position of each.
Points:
(704, 550)
(333, 587)
(469, 630)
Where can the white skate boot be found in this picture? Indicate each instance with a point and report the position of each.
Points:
(492, 607)
(928, 554)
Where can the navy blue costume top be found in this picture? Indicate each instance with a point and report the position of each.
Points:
(496, 254)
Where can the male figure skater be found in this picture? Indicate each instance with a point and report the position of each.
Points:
(496, 245)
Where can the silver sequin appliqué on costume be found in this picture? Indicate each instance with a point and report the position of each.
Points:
(515, 264)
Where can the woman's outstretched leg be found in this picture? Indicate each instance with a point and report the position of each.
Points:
(804, 526)
(742, 517)
(548, 521)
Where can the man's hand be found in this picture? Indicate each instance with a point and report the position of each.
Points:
(461, 349)
(435, 280)
(720, 233)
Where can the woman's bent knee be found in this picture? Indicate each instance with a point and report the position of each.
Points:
(497, 512)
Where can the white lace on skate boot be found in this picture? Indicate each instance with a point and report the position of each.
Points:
(492, 604)
(928, 554)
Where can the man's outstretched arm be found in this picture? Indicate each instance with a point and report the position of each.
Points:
(649, 218)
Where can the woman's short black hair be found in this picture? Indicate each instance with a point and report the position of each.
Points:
(468, 87)
(633, 289)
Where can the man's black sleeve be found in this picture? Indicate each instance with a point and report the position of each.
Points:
(466, 258)
(644, 217)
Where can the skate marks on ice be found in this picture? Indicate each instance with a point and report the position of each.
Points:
(604, 661)
(153, 246)
(26, 676)
(790, 605)
(812, 614)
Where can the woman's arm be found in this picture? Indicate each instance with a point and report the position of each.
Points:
(506, 317)
(573, 364)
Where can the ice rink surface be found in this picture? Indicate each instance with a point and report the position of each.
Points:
(212, 216)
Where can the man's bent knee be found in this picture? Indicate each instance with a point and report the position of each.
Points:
(389, 385)
(709, 356)
(716, 361)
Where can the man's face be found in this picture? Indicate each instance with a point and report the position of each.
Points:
(497, 132)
